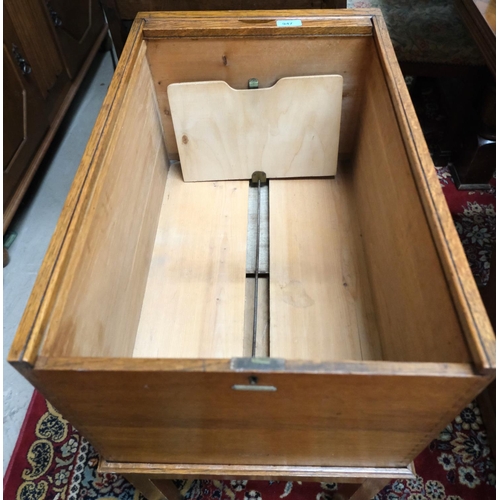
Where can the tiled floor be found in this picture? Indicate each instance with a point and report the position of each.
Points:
(35, 223)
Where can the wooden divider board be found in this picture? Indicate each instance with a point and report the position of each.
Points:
(288, 130)
(320, 303)
(194, 304)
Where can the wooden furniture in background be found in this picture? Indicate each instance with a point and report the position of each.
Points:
(129, 8)
(475, 158)
(376, 406)
(121, 13)
(48, 48)
(77, 25)
(480, 18)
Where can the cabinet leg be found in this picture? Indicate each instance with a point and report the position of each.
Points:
(165, 489)
(369, 488)
(168, 488)
(150, 490)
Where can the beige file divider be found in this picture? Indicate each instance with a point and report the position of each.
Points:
(288, 130)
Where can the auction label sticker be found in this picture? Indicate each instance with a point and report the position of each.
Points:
(288, 23)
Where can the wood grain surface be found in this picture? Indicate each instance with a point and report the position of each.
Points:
(288, 130)
(410, 292)
(81, 22)
(359, 413)
(230, 26)
(236, 60)
(320, 302)
(97, 312)
(327, 419)
(476, 326)
(480, 18)
(195, 296)
(256, 472)
(31, 330)
(328, 14)
(39, 48)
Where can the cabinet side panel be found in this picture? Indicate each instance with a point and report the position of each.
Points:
(31, 331)
(98, 306)
(476, 325)
(310, 419)
(236, 60)
(416, 315)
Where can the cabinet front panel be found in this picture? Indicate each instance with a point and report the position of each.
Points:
(309, 419)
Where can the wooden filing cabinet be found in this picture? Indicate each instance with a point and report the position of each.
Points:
(135, 329)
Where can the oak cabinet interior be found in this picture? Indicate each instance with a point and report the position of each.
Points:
(137, 329)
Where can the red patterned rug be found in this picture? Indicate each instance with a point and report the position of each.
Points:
(52, 461)
(474, 215)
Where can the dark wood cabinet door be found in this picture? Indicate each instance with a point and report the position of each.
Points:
(24, 119)
(29, 19)
(77, 25)
(129, 8)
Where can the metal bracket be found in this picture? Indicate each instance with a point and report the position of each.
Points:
(253, 83)
(260, 388)
(257, 364)
(258, 176)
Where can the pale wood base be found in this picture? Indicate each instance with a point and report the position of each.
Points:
(323, 311)
(154, 481)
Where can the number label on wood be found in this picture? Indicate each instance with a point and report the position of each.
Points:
(288, 23)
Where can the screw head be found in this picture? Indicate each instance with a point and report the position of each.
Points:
(253, 83)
